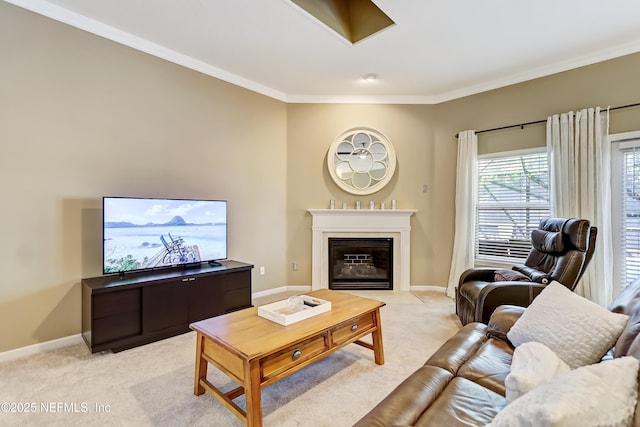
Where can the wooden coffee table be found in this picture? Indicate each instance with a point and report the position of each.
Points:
(256, 352)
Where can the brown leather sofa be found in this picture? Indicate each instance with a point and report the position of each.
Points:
(462, 383)
(561, 250)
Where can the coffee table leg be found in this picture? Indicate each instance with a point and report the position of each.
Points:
(378, 349)
(252, 393)
(201, 366)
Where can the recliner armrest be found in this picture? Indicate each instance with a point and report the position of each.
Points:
(502, 319)
(533, 274)
(485, 274)
(501, 293)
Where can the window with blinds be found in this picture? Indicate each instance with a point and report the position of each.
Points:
(626, 191)
(513, 196)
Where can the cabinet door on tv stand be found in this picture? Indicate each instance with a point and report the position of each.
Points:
(116, 316)
(206, 297)
(165, 305)
(237, 290)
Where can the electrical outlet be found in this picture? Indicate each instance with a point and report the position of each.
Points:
(425, 188)
(295, 266)
(262, 270)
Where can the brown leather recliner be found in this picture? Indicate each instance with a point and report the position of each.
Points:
(561, 250)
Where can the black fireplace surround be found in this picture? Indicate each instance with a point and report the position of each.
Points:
(360, 263)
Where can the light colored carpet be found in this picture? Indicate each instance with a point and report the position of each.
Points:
(153, 385)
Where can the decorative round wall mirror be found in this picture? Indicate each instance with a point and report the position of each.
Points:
(361, 161)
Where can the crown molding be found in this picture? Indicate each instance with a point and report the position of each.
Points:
(84, 23)
(591, 58)
(358, 99)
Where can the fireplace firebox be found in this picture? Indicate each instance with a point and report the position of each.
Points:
(360, 263)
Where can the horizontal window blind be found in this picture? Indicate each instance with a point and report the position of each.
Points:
(630, 216)
(513, 196)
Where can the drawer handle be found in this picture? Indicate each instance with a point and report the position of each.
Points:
(354, 327)
(296, 354)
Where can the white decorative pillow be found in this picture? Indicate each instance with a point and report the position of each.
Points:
(603, 394)
(579, 331)
(532, 365)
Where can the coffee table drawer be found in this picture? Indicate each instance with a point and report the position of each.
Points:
(292, 356)
(353, 328)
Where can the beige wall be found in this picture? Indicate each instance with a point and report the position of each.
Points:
(82, 117)
(611, 83)
(424, 139)
(312, 129)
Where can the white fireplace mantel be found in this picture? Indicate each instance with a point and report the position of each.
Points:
(329, 223)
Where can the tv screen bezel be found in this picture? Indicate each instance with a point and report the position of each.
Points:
(212, 261)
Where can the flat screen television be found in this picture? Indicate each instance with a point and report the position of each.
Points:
(150, 233)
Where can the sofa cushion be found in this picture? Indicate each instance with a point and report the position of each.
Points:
(603, 394)
(533, 364)
(462, 403)
(489, 366)
(579, 331)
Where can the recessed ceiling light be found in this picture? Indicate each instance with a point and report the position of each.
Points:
(370, 77)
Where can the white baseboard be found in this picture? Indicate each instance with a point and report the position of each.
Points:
(300, 288)
(428, 288)
(303, 288)
(30, 350)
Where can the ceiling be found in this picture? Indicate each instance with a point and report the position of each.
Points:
(437, 51)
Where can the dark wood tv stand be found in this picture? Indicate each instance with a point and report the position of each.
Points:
(124, 312)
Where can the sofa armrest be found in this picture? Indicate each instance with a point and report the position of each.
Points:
(502, 319)
(456, 351)
(408, 401)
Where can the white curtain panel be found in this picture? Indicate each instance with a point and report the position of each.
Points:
(580, 169)
(465, 224)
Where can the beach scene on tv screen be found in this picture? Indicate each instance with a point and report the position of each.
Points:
(151, 233)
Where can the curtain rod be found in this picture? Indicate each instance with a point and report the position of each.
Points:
(522, 125)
